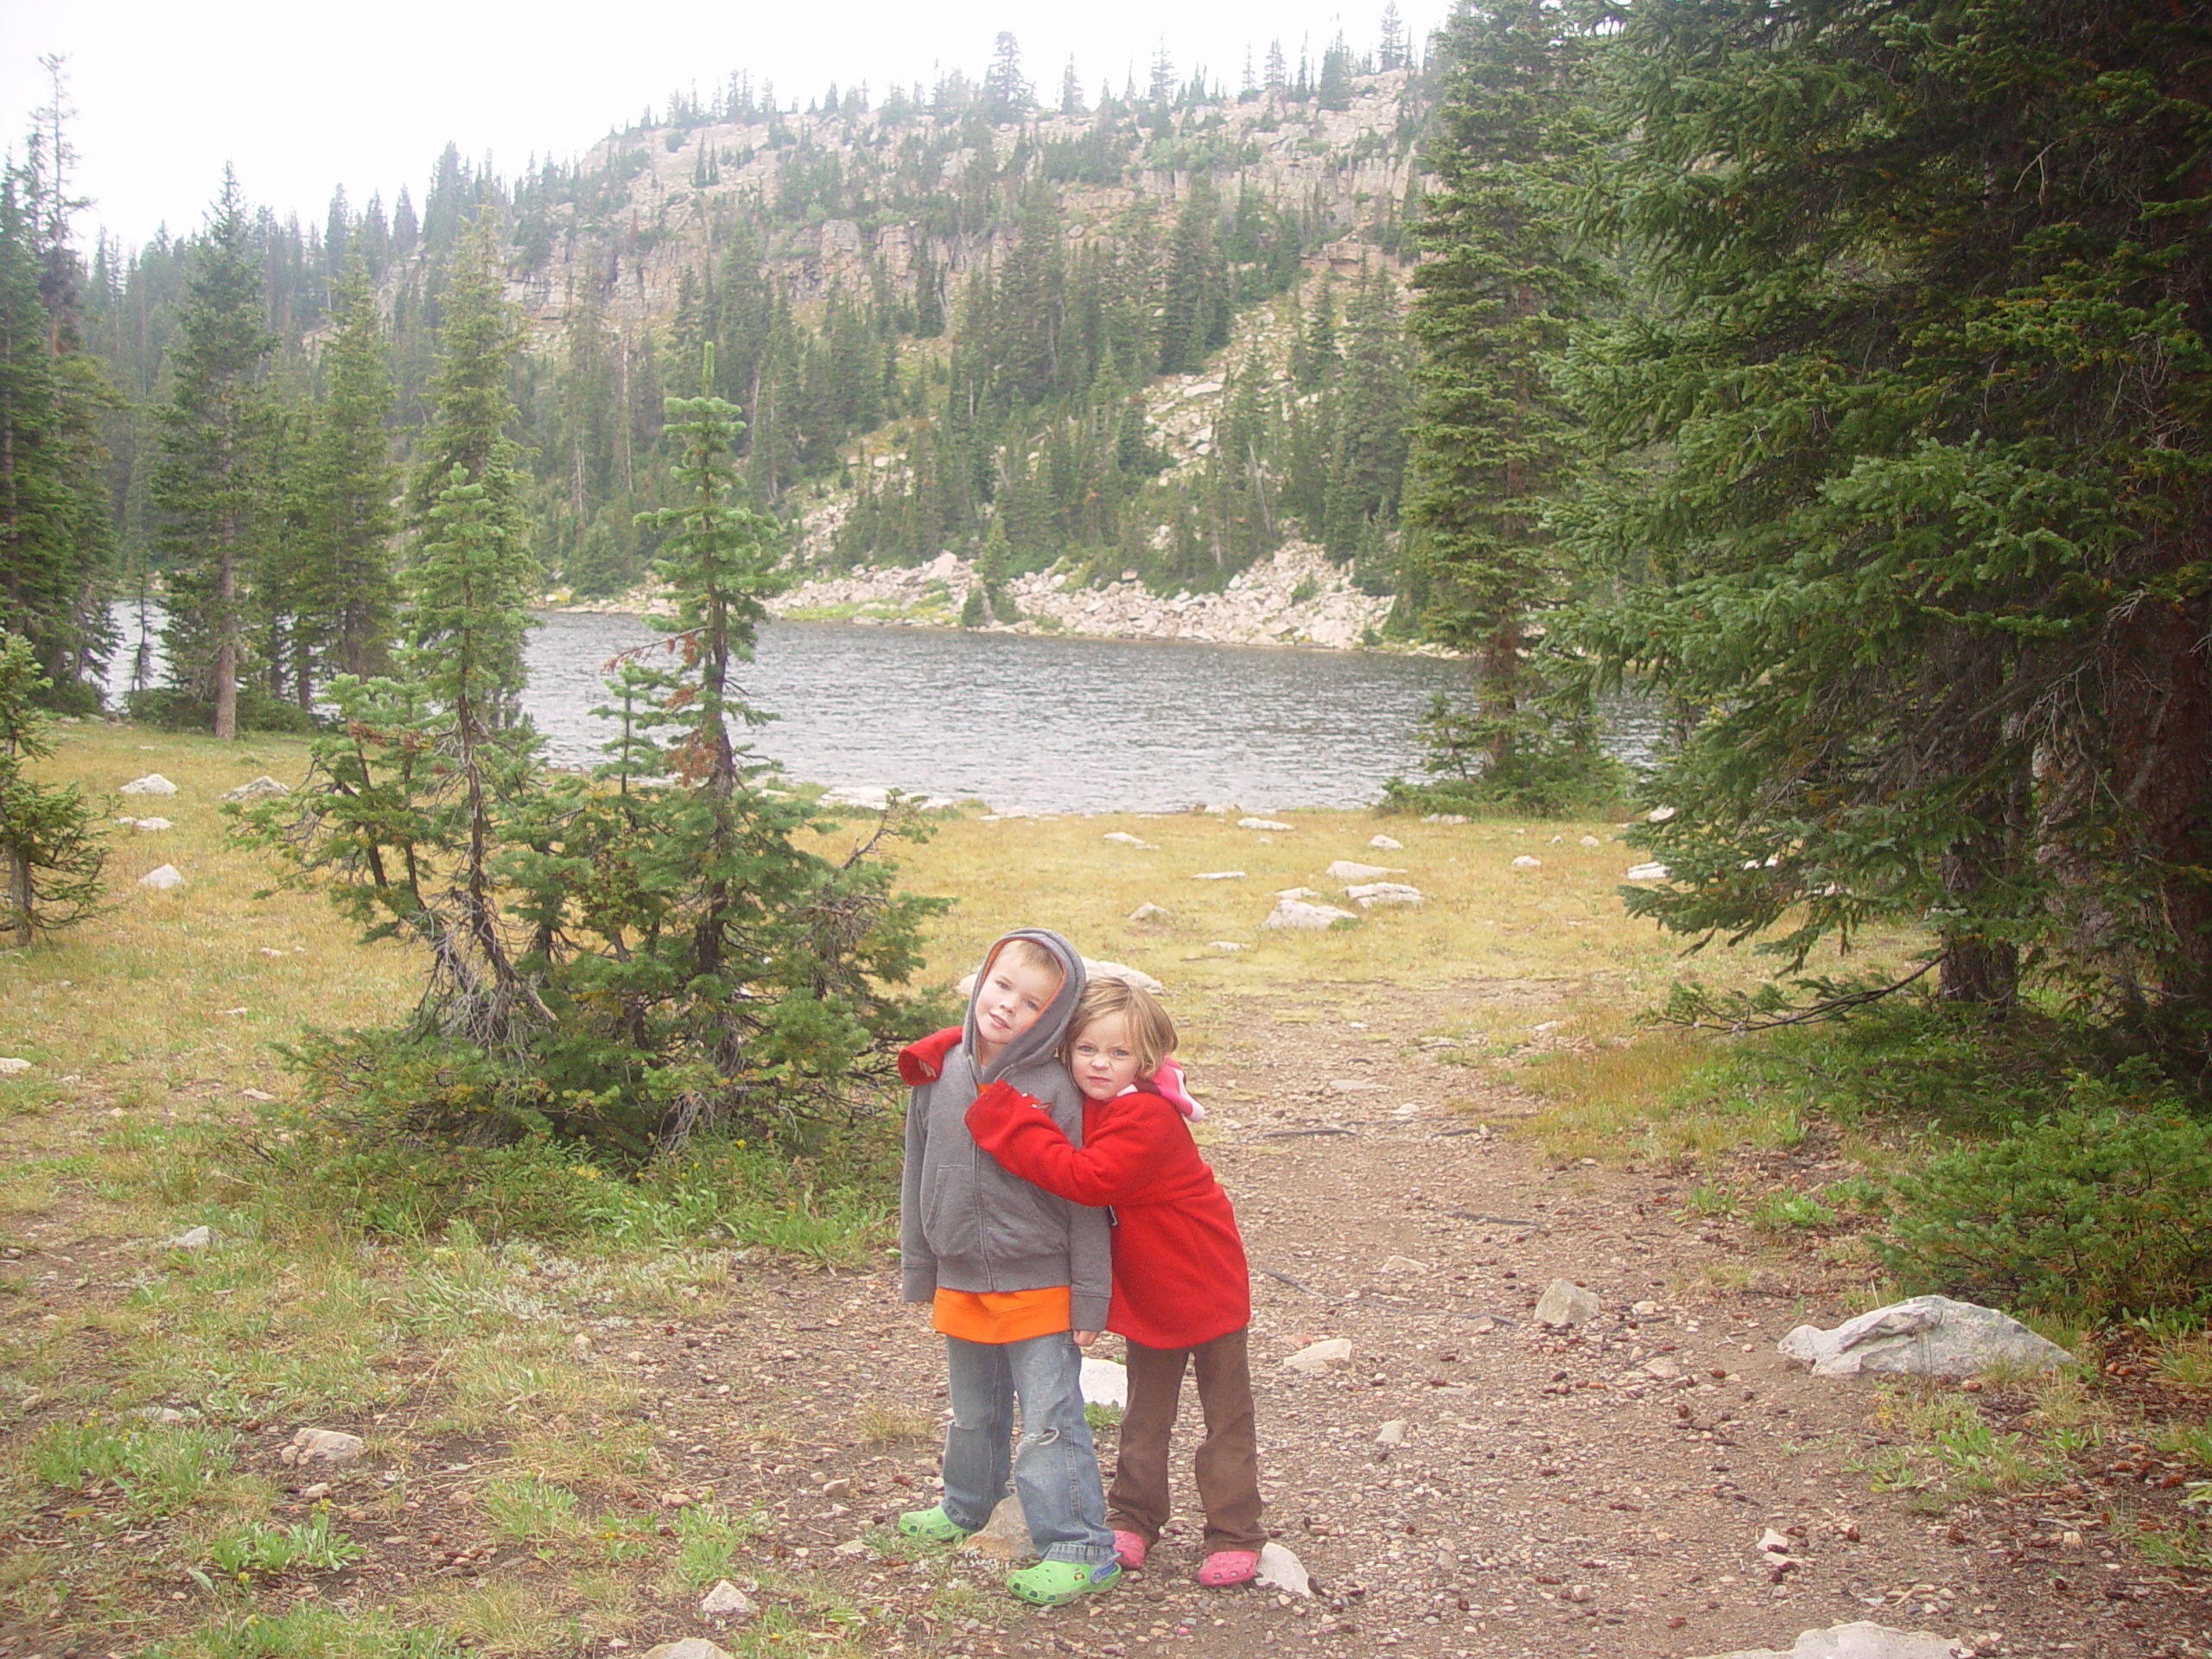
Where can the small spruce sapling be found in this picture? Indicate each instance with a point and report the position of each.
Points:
(52, 855)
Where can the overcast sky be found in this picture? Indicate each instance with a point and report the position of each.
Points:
(302, 98)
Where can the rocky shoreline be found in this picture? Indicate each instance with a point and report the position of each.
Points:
(1295, 597)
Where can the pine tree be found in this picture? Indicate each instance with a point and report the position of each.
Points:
(1931, 375)
(1006, 96)
(51, 852)
(210, 485)
(1490, 434)
(348, 478)
(467, 444)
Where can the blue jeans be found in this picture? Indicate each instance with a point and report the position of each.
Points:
(1054, 1469)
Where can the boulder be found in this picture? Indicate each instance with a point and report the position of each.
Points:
(166, 879)
(1105, 1383)
(1857, 1640)
(332, 1447)
(152, 784)
(1262, 824)
(1526, 862)
(12, 1066)
(1368, 895)
(149, 826)
(1383, 843)
(1135, 977)
(1564, 1302)
(1443, 817)
(1590, 841)
(1148, 913)
(1123, 838)
(1646, 872)
(1296, 893)
(1218, 875)
(255, 789)
(1392, 1432)
(1928, 1336)
(192, 1238)
(691, 1647)
(1659, 815)
(1227, 945)
(1344, 870)
(1331, 1354)
(1296, 913)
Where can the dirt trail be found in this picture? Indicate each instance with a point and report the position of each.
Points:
(1602, 1492)
(1551, 1495)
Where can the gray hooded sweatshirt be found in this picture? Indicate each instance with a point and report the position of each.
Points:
(964, 1223)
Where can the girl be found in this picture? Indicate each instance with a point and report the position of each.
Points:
(1181, 1291)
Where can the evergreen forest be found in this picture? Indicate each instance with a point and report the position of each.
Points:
(1840, 376)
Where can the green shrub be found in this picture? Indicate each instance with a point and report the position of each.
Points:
(169, 710)
(2098, 1210)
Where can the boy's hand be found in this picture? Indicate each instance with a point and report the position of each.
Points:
(923, 1060)
(1084, 1338)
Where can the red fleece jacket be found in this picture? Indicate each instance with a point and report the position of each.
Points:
(1179, 1276)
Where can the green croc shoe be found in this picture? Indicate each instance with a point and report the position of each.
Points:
(931, 1526)
(1055, 1584)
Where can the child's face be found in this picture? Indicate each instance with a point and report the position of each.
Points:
(1103, 1058)
(1007, 1002)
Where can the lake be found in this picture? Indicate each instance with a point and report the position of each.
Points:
(1043, 724)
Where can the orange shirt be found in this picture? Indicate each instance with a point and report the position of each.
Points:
(1001, 1315)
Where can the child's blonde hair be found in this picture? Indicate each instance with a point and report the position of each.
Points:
(1151, 1032)
(1030, 953)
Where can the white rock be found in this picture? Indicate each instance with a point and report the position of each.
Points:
(1262, 824)
(152, 826)
(167, 878)
(851, 1547)
(1526, 862)
(1280, 1570)
(152, 784)
(726, 1600)
(1646, 872)
(1005, 1536)
(1296, 913)
(1147, 912)
(1227, 945)
(1445, 818)
(1221, 810)
(1344, 870)
(1659, 815)
(1928, 1336)
(254, 791)
(1218, 875)
(1859, 1640)
(1122, 971)
(1399, 1266)
(334, 1446)
(1369, 894)
(691, 1647)
(192, 1238)
(1296, 893)
(1590, 841)
(1662, 1368)
(1105, 1383)
(1383, 843)
(1774, 1542)
(1331, 1354)
(1392, 1432)
(12, 1066)
(1564, 1302)
(1123, 838)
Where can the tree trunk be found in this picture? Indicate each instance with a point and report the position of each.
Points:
(19, 894)
(227, 646)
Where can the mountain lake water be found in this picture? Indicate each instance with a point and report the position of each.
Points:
(1041, 723)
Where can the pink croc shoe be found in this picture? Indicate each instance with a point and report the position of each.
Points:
(1226, 1566)
(1129, 1548)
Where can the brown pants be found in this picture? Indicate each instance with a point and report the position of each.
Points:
(1228, 1458)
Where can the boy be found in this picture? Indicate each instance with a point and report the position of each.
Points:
(1016, 1278)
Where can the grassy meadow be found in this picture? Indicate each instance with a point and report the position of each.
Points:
(137, 1376)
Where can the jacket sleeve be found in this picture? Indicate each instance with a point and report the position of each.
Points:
(923, 1060)
(1117, 1165)
(1090, 1269)
(917, 1261)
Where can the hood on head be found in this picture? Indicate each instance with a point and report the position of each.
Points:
(1042, 1039)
